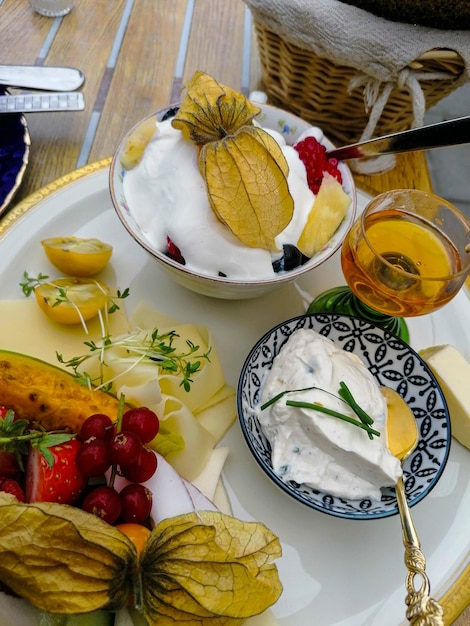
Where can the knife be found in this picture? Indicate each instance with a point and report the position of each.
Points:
(42, 102)
(447, 133)
(40, 77)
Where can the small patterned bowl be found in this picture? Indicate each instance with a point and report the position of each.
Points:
(392, 363)
(15, 143)
(291, 127)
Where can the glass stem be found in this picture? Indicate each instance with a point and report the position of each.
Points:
(342, 300)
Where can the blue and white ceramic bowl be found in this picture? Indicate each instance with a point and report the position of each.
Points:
(392, 363)
(291, 127)
(15, 142)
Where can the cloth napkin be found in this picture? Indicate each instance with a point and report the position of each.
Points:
(380, 50)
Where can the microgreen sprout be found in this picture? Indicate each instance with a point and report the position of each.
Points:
(138, 347)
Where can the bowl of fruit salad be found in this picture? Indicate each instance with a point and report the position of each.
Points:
(231, 198)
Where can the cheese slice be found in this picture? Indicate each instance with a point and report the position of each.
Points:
(24, 328)
(452, 372)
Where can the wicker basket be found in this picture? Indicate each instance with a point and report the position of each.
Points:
(316, 90)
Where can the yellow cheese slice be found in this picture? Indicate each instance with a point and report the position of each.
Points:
(24, 328)
(452, 372)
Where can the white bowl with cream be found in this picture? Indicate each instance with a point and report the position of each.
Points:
(129, 195)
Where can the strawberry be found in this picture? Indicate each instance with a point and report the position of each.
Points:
(11, 486)
(59, 481)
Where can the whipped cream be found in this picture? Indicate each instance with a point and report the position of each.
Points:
(166, 194)
(317, 449)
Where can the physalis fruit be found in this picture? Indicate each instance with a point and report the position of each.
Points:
(243, 167)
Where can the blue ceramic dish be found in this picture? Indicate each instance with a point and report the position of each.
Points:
(14, 154)
(392, 363)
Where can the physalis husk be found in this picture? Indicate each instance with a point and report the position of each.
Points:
(243, 167)
(206, 565)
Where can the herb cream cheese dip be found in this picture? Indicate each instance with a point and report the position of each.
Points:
(318, 449)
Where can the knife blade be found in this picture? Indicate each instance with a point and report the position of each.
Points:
(447, 133)
(39, 77)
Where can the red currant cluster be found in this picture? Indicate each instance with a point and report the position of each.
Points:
(125, 452)
(313, 155)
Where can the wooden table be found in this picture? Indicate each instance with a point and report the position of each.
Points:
(136, 55)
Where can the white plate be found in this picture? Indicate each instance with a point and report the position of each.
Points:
(335, 572)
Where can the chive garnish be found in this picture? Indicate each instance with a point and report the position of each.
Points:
(346, 395)
(364, 422)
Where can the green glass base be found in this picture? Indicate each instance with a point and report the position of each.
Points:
(342, 300)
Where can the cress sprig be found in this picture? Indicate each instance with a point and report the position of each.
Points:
(365, 421)
(139, 347)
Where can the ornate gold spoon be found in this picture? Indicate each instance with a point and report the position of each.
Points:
(402, 433)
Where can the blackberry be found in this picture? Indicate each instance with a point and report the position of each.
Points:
(291, 258)
(170, 113)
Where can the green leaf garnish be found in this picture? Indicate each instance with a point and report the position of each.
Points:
(17, 435)
(365, 421)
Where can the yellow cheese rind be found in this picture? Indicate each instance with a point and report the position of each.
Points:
(452, 372)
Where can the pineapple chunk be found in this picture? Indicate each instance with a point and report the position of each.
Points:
(326, 215)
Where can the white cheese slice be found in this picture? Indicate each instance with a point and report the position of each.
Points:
(452, 372)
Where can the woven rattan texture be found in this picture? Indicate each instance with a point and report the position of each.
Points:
(316, 90)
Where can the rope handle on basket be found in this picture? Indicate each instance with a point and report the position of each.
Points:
(376, 95)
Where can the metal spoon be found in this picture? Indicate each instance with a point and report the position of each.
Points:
(403, 436)
(447, 133)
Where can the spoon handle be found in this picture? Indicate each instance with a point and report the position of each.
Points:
(422, 609)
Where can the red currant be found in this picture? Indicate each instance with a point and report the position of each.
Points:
(104, 502)
(143, 468)
(125, 448)
(8, 485)
(141, 421)
(93, 458)
(97, 425)
(136, 503)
